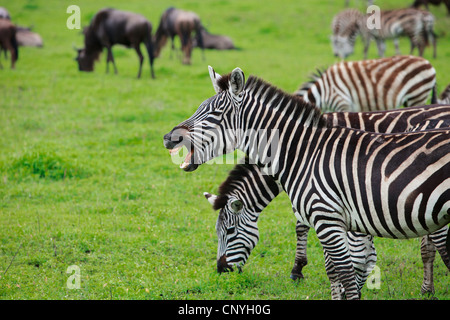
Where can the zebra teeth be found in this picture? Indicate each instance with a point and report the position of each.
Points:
(187, 161)
(174, 150)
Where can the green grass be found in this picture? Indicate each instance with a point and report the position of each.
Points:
(86, 181)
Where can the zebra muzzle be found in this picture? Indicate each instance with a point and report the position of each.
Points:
(222, 265)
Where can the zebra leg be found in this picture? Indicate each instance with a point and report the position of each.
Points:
(439, 239)
(300, 254)
(337, 291)
(363, 254)
(428, 252)
(397, 48)
(334, 242)
(381, 45)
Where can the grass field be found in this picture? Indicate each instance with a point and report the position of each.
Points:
(86, 181)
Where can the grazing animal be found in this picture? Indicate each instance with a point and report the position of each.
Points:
(109, 27)
(417, 25)
(215, 41)
(418, 3)
(242, 197)
(252, 190)
(338, 179)
(8, 40)
(371, 85)
(176, 22)
(27, 38)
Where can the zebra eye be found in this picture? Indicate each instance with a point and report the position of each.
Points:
(236, 206)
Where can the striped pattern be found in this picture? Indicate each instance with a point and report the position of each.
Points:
(238, 234)
(444, 98)
(255, 190)
(371, 85)
(388, 185)
(417, 25)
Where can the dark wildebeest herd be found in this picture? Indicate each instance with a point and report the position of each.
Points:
(12, 36)
(109, 27)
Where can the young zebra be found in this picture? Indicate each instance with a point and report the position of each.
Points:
(246, 185)
(416, 24)
(338, 179)
(371, 85)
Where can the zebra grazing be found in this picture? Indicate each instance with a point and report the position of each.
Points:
(338, 179)
(417, 25)
(371, 85)
(248, 187)
(242, 197)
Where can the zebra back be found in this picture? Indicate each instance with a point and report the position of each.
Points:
(371, 85)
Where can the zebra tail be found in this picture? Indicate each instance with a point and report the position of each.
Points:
(433, 95)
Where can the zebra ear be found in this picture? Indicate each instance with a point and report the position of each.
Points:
(210, 197)
(237, 81)
(237, 206)
(214, 78)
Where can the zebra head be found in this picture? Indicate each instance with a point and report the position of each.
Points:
(237, 231)
(205, 134)
(343, 46)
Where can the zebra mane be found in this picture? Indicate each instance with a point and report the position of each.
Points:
(238, 173)
(305, 112)
(241, 175)
(312, 80)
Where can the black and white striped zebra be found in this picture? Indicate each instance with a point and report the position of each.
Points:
(371, 85)
(242, 197)
(417, 25)
(247, 191)
(338, 179)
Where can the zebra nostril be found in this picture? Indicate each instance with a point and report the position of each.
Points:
(171, 141)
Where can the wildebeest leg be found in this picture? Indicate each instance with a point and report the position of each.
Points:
(141, 58)
(110, 58)
(173, 49)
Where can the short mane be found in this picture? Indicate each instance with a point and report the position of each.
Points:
(236, 174)
(305, 112)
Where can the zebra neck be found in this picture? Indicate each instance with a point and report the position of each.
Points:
(272, 123)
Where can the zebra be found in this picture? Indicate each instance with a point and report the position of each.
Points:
(445, 96)
(417, 25)
(253, 191)
(242, 197)
(338, 179)
(372, 85)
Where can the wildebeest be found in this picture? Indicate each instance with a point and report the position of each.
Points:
(110, 27)
(215, 41)
(8, 40)
(27, 38)
(176, 22)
